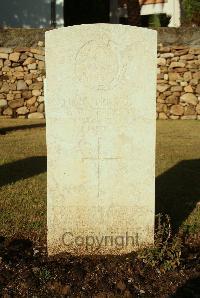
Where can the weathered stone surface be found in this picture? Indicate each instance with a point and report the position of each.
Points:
(163, 49)
(188, 89)
(6, 50)
(41, 65)
(173, 76)
(36, 86)
(167, 93)
(40, 43)
(12, 87)
(167, 55)
(18, 96)
(40, 98)
(166, 76)
(181, 69)
(177, 64)
(26, 94)
(21, 49)
(16, 103)
(198, 89)
(172, 99)
(28, 82)
(36, 92)
(162, 116)
(39, 57)
(3, 56)
(5, 87)
(162, 88)
(29, 60)
(160, 107)
(173, 117)
(95, 167)
(161, 61)
(176, 88)
(177, 110)
(7, 63)
(10, 96)
(189, 110)
(8, 111)
(174, 59)
(22, 111)
(3, 103)
(187, 57)
(21, 85)
(33, 109)
(23, 57)
(18, 74)
(37, 51)
(40, 108)
(189, 117)
(31, 101)
(36, 116)
(14, 57)
(198, 109)
(32, 66)
(189, 98)
(194, 51)
(196, 75)
(187, 76)
(183, 84)
(181, 52)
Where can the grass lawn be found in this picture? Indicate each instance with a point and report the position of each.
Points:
(23, 176)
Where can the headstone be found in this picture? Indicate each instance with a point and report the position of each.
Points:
(100, 108)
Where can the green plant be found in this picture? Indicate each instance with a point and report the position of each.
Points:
(191, 9)
(44, 274)
(154, 21)
(166, 252)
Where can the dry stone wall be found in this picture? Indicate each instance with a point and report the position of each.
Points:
(178, 83)
(22, 72)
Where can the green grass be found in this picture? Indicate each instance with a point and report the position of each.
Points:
(23, 176)
(23, 181)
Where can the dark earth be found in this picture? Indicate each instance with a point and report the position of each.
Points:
(26, 271)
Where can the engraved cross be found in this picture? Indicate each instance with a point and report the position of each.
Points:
(99, 158)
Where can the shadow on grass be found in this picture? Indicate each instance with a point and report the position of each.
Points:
(190, 289)
(22, 169)
(178, 191)
(5, 130)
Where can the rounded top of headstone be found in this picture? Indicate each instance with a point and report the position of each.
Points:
(117, 27)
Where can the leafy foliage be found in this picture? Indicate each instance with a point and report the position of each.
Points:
(166, 252)
(191, 11)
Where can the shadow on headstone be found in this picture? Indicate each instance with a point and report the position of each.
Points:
(178, 191)
(22, 169)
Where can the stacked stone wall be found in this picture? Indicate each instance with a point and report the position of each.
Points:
(178, 83)
(22, 73)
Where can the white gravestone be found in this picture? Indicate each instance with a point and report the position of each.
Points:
(100, 108)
